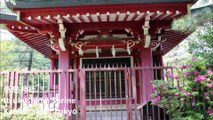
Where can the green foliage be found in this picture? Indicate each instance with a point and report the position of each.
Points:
(200, 42)
(202, 46)
(187, 92)
(1, 92)
(6, 55)
(210, 117)
(190, 23)
(31, 113)
(185, 24)
(190, 115)
(16, 55)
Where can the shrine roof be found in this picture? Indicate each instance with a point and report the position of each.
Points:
(60, 3)
(7, 17)
(81, 19)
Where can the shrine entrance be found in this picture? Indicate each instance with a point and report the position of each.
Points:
(108, 88)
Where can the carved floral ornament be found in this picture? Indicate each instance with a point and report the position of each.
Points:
(129, 43)
(158, 41)
(60, 44)
(53, 44)
(155, 43)
(79, 46)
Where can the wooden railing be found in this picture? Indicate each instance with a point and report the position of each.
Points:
(121, 93)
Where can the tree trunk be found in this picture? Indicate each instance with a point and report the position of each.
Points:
(30, 60)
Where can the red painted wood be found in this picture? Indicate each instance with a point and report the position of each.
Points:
(64, 86)
(146, 61)
(95, 89)
(90, 55)
(135, 96)
(82, 95)
(100, 84)
(43, 25)
(129, 82)
(92, 44)
(129, 100)
(115, 84)
(76, 91)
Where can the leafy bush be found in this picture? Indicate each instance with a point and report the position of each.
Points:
(188, 23)
(31, 113)
(190, 115)
(185, 24)
(187, 92)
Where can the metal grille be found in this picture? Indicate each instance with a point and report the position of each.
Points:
(113, 92)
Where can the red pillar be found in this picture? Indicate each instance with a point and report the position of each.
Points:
(64, 81)
(146, 85)
(76, 62)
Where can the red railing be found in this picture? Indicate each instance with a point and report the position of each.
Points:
(120, 93)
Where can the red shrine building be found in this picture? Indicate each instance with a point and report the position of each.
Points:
(103, 54)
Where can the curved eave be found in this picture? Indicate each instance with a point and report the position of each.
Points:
(27, 34)
(173, 38)
(207, 8)
(8, 19)
(58, 3)
(36, 41)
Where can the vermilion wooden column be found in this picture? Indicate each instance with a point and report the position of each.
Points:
(146, 85)
(64, 81)
(76, 62)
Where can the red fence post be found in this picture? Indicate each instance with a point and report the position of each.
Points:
(82, 94)
(133, 77)
(129, 84)
(76, 91)
(128, 97)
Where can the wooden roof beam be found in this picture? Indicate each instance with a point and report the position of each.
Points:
(90, 17)
(50, 19)
(67, 18)
(168, 13)
(106, 25)
(98, 16)
(85, 18)
(140, 16)
(39, 18)
(135, 16)
(177, 13)
(117, 16)
(157, 14)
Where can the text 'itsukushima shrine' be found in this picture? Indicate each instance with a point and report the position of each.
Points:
(103, 54)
